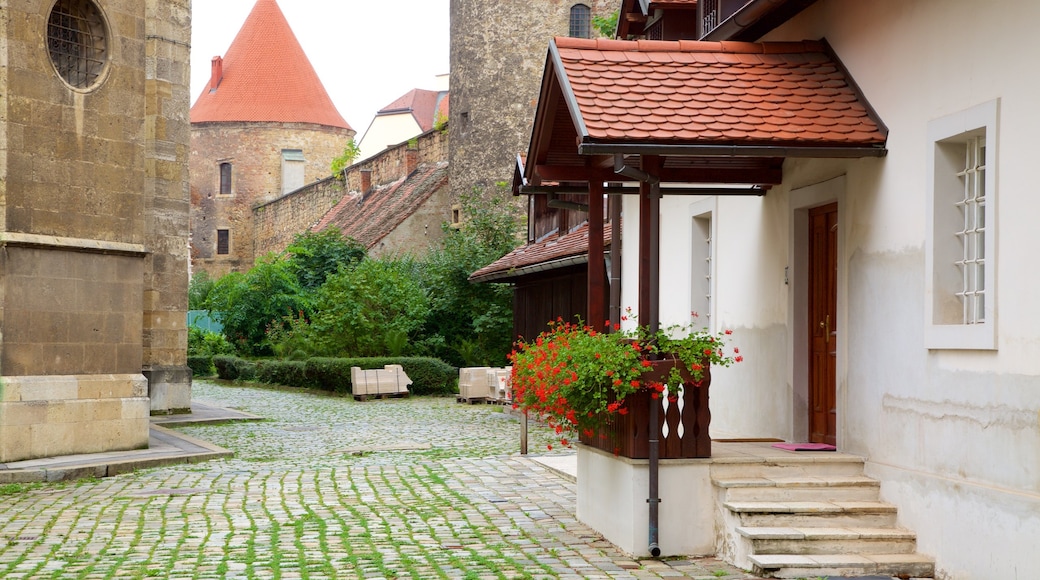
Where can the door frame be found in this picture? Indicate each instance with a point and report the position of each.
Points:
(801, 201)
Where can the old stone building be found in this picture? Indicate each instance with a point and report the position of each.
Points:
(498, 50)
(395, 202)
(262, 127)
(93, 220)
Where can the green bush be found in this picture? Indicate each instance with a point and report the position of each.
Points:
(429, 376)
(281, 372)
(328, 374)
(226, 367)
(201, 365)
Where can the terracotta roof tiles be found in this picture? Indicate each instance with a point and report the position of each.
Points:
(266, 77)
(556, 248)
(371, 218)
(714, 92)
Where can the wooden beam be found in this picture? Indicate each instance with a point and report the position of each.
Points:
(760, 175)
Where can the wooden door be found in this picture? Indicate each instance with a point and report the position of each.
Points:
(823, 323)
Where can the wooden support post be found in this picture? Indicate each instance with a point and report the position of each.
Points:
(597, 307)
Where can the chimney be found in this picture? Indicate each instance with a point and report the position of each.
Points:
(411, 160)
(366, 181)
(216, 73)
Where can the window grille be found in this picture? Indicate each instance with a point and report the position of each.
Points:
(581, 19)
(223, 242)
(972, 236)
(77, 42)
(225, 179)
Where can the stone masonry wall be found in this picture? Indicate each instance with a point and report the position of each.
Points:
(498, 51)
(255, 152)
(278, 222)
(166, 188)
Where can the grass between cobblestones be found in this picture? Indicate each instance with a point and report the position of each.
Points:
(317, 491)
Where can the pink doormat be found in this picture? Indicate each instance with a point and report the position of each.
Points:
(805, 446)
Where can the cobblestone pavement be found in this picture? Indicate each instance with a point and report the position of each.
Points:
(326, 488)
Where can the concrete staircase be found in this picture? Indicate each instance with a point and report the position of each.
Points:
(807, 515)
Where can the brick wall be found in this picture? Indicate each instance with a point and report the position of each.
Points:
(255, 152)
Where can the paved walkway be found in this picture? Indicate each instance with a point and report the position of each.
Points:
(323, 487)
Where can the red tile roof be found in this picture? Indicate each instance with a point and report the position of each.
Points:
(267, 77)
(730, 93)
(555, 251)
(424, 106)
(370, 219)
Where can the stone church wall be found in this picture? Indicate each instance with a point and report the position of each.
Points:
(92, 206)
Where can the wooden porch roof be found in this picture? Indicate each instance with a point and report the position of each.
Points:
(713, 112)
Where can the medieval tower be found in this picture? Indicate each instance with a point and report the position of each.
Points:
(263, 127)
(93, 222)
(498, 50)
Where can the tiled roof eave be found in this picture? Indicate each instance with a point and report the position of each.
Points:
(671, 148)
(516, 272)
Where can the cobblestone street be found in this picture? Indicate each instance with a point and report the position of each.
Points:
(326, 487)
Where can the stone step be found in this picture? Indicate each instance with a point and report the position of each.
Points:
(823, 565)
(803, 488)
(788, 465)
(820, 514)
(789, 540)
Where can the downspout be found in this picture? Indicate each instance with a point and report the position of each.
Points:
(649, 223)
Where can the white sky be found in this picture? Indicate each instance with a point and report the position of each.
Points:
(366, 52)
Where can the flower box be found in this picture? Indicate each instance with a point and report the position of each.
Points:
(683, 420)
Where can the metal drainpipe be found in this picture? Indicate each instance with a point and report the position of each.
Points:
(654, 501)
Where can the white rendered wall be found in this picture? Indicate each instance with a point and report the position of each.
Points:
(954, 435)
(387, 130)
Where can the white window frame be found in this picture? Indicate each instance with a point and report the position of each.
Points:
(703, 242)
(951, 238)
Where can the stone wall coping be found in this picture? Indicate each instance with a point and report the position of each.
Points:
(74, 244)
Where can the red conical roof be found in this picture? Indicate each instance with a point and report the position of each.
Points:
(266, 77)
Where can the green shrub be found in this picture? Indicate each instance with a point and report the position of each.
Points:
(430, 376)
(226, 367)
(201, 365)
(245, 369)
(328, 374)
(281, 372)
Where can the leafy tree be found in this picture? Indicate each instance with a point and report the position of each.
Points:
(198, 290)
(315, 256)
(365, 311)
(248, 303)
(606, 25)
(471, 324)
(350, 153)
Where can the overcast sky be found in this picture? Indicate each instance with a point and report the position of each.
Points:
(366, 53)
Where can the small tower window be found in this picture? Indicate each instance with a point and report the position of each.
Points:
(225, 179)
(223, 242)
(77, 42)
(581, 19)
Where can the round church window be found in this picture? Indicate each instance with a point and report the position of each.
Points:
(77, 40)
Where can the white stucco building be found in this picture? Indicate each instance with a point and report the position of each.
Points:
(879, 297)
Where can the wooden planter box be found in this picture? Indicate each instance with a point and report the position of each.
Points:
(687, 420)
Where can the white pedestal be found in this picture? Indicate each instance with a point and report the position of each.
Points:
(612, 494)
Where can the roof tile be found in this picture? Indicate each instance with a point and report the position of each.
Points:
(267, 77)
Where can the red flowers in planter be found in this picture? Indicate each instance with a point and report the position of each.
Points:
(576, 378)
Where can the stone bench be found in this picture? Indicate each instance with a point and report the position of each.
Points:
(389, 381)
